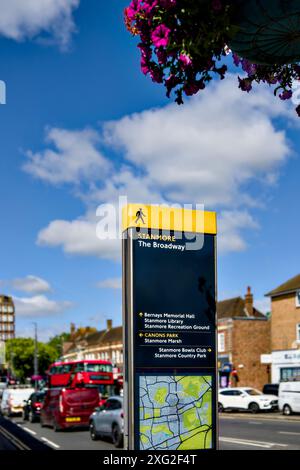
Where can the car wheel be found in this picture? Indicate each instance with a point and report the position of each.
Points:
(220, 408)
(254, 407)
(287, 410)
(56, 427)
(117, 436)
(93, 433)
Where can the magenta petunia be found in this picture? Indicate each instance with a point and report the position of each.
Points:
(160, 36)
(185, 60)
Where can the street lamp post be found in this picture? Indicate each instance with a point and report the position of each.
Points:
(35, 360)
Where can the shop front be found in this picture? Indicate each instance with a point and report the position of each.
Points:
(285, 365)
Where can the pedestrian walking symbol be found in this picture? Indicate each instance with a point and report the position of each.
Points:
(140, 216)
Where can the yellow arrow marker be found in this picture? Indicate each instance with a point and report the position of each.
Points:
(209, 350)
(141, 314)
(141, 334)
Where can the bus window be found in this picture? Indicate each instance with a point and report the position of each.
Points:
(91, 367)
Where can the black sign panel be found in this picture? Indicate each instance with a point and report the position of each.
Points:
(172, 321)
(174, 304)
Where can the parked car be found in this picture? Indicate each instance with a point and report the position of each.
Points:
(32, 407)
(289, 397)
(13, 400)
(108, 421)
(246, 398)
(68, 407)
(3, 385)
(271, 389)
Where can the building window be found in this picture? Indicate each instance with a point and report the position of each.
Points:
(298, 333)
(221, 342)
(288, 374)
(298, 298)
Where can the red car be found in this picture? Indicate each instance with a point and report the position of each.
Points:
(67, 408)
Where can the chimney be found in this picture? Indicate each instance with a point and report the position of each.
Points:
(72, 330)
(108, 325)
(249, 302)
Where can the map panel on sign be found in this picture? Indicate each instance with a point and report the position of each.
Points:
(175, 412)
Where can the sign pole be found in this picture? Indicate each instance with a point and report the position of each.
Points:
(169, 320)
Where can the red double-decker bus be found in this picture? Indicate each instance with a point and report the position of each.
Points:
(87, 373)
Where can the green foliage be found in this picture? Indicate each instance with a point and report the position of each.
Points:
(57, 341)
(20, 357)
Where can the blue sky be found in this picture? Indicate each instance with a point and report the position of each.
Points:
(82, 126)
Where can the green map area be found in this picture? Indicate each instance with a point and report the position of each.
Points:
(175, 412)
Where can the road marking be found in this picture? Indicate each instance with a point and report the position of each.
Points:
(44, 439)
(265, 445)
(254, 422)
(29, 430)
(16, 442)
(290, 433)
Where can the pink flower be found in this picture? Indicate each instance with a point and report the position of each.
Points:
(133, 9)
(185, 60)
(144, 65)
(160, 36)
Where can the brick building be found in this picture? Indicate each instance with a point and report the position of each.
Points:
(105, 344)
(7, 318)
(243, 335)
(285, 330)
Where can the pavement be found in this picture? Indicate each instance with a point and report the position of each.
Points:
(238, 431)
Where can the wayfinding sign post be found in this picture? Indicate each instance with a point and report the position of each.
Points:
(169, 319)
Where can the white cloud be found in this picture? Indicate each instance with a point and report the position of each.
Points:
(110, 283)
(31, 284)
(75, 158)
(22, 19)
(78, 237)
(208, 151)
(231, 225)
(39, 306)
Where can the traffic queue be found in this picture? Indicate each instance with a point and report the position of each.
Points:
(79, 394)
(84, 394)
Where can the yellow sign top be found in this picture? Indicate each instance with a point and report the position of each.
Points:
(168, 218)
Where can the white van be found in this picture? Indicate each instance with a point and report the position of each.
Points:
(13, 400)
(289, 397)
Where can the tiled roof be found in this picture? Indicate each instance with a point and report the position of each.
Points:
(103, 338)
(233, 308)
(292, 285)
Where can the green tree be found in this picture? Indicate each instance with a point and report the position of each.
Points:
(56, 342)
(20, 357)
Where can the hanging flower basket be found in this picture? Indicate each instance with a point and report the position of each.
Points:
(183, 43)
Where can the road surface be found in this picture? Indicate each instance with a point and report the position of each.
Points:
(246, 432)
(258, 432)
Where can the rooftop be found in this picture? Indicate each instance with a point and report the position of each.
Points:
(236, 308)
(103, 337)
(290, 286)
(5, 299)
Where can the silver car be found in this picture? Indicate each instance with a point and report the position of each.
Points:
(108, 421)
